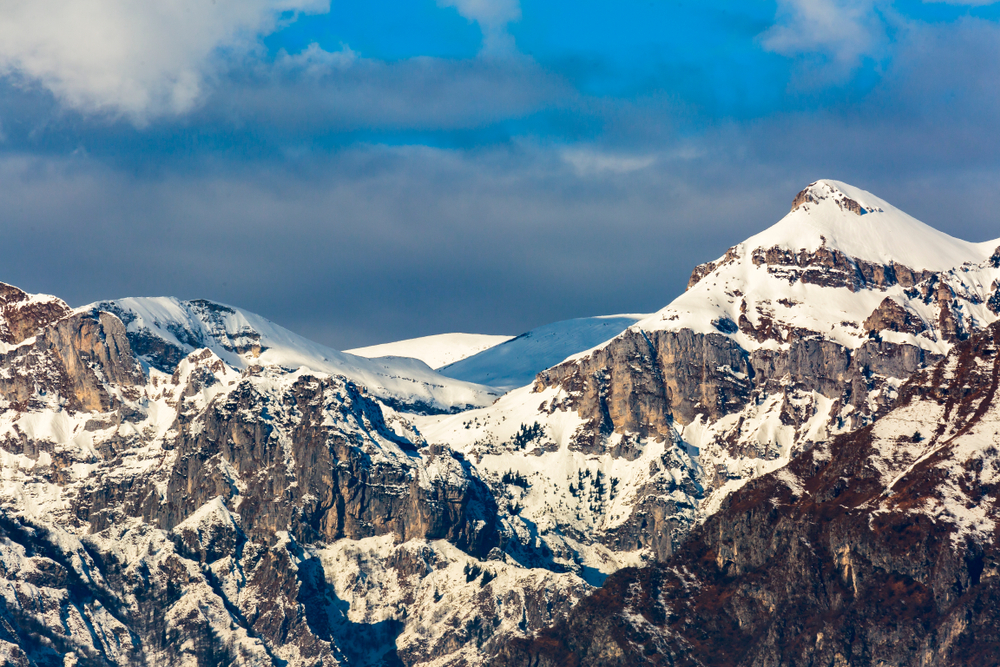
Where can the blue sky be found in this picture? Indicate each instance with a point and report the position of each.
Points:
(362, 172)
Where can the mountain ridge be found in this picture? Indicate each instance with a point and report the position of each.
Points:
(186, 481)
(165, 329)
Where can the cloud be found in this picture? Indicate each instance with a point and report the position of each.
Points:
(316, 61)
(587, 162)
(255, 199)
(137, 59)
(364, 244)
(492, 17)
(369, 243)
(324, 92)
(844, 31)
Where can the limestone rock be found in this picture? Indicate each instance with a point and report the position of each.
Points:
(23, 315)
(890, 316)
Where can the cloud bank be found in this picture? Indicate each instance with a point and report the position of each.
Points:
(359, 197)
(138, 59)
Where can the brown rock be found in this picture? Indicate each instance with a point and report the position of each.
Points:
(890, 316)
(949, 323)
(837, 571)
(77, 358)
(23, 315)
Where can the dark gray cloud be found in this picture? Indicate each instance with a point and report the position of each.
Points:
(373, 244)
(538, 203)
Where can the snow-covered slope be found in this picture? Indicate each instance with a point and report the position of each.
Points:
(163, 330)
(435, 351)
(516, 362)
(826, 268)
(842, 217)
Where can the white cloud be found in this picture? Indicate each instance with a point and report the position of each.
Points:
(492, 17)
(137, 58)
(843, 30)
(587, 162)
(315, 60)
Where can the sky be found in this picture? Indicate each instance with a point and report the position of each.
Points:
(362, 172)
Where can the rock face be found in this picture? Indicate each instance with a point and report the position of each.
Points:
(83, 359)
(22, 315)
(879, 548)
(650, 384)
(310, 456)
(677, 377)
(890, 316)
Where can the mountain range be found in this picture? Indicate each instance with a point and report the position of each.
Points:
(792, 463)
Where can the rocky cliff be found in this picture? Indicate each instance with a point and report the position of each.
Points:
(880, 548)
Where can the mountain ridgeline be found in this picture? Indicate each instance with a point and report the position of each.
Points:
(795, 462)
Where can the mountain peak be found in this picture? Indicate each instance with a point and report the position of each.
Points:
(833, 192)
(864, 227)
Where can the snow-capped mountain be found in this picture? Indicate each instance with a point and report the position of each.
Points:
(162, 331)
(186, 482)
(435, 351)
(837, 236)
(800, 333)
(232, 510)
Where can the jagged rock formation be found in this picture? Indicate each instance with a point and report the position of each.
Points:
(83, 359)
(890, 316)
(879, 548)
(22, 315)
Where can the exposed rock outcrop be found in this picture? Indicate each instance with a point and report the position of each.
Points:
(84, 360)
(814, 195)
(833, 268)
(23, 315)
(644, 381)
(890, 316)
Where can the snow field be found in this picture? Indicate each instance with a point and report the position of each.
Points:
(435, 351)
